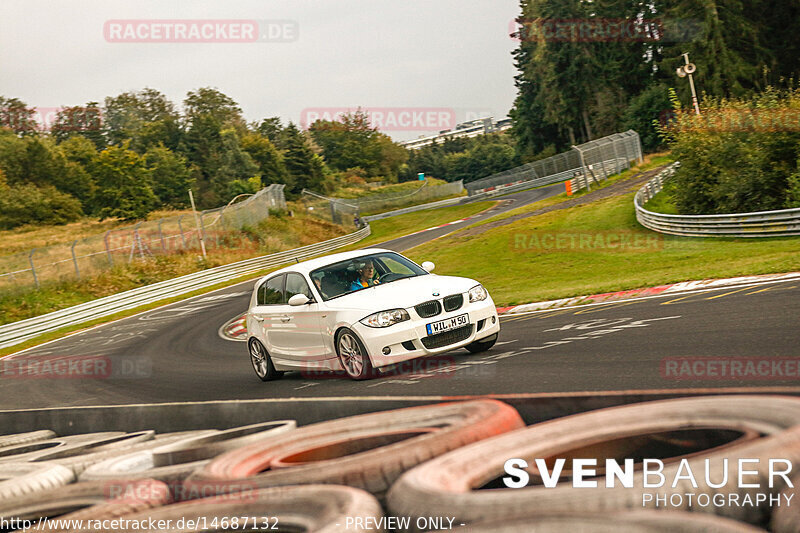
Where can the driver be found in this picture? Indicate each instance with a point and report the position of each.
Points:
(365, 277)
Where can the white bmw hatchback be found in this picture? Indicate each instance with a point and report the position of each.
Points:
(363, 310)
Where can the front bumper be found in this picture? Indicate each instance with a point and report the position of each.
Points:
(404, 340)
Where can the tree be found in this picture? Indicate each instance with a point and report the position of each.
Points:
(305, 168)
(646, 109)
(80, 156)
(146, 118)
(86, 121)
(272, 129)
(170, 176)
(729, 56)
(351, 142)
(266, 156)
(17, 116)
(124, 187)
(208, 101)
(348, 142)
(235, 165)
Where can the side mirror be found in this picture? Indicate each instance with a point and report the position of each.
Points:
(428, 266)
(298, 299)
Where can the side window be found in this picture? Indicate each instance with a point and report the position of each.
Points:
(397, 267)
(296, 284)
(271, 292)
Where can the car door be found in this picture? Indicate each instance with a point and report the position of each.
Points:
(270, 306)
(299, 336)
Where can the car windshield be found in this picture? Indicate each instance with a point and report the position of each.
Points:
(359, 273)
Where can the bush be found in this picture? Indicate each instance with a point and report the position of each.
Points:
(648, 108)
(28, 204)
(739, 156)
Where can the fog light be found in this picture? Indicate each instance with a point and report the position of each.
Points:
(494, 319)
(386, 350)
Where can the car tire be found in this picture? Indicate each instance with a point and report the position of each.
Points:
(17, 479)
(353, 356)
(24, 438)
(786, 519)
(352, 451)
(312, 508)
(84, 501)
(261, 361)
(482, 345)
(449, 481)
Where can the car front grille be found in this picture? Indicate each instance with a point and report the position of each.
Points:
(447, 338)
(428, 309)
(451, 303)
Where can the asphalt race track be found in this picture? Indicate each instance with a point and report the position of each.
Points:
(679, 341)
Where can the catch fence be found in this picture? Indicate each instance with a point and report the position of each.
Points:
(82, 258)
(583, 164)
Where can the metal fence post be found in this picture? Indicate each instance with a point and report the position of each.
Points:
(161, 236)
(638, 146)
(583, 167)
(180, 229)
(108, 248)
(75, 259)
(33, 267)
(202, 234)
(198, 222)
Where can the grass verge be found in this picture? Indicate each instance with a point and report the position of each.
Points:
(651, 161)
(274, 234)
(391, 228)
(544, 257)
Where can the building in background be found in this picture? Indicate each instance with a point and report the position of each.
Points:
(473, 128)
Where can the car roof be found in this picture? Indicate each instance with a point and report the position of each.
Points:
(305, 267)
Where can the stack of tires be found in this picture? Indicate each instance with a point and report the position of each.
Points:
(437, 465)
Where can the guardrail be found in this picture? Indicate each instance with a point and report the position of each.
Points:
(575, 176)
(781, 223)
(414, 208)
(17, 332)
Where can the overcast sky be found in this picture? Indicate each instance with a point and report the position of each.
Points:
(395, 55)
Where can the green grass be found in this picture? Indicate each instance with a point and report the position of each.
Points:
(391, 228)
(517, 269)
(650, 162)
(662, 202)
(272, 235)
(53, 335)
(74, 293)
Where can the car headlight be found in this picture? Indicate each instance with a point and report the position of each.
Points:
(477, 294)
(384, 319)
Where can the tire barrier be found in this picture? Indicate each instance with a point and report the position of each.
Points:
(17, 479)
(309, 508)
(79, 463)
(24, 438)
(450, 481)
(441, 462)
(366, 451)
(787, 519)
(630, 522)
(83, 501)
(174, 462)
(59, 447)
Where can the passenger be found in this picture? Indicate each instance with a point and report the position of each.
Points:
(365, 277)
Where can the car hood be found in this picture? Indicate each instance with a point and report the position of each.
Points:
(403, 293)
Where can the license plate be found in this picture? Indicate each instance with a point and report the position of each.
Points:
(448, 324)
